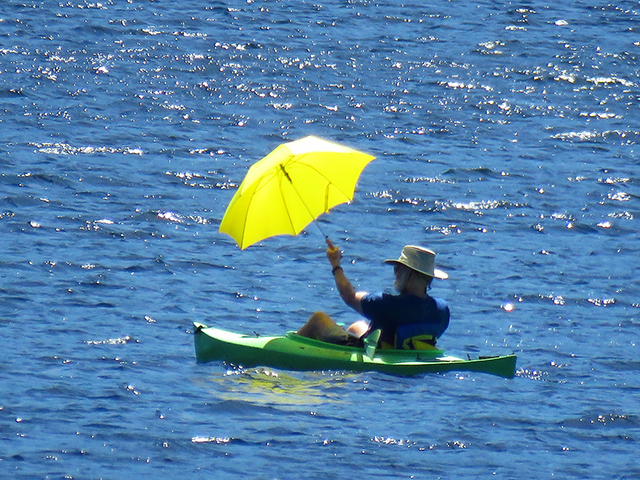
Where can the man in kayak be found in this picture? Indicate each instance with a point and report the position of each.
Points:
(412, 319)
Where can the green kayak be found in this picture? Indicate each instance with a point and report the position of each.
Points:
(293, 352)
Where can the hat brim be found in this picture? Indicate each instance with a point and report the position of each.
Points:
(437, 273)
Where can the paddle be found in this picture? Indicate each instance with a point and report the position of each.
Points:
(371, 343)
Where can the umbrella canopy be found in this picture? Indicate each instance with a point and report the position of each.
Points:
(289, 188)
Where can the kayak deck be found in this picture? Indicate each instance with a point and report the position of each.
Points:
(293, 352)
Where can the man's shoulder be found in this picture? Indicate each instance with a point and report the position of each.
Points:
(436, 302)
(408, 300)
(379, 296)
(376, 301)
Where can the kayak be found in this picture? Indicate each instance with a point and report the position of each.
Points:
(293, 352)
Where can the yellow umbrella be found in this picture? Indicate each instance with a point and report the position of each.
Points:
(289, 188)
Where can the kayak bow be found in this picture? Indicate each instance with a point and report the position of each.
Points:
(293, 352)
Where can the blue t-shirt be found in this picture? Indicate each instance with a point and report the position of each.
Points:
(387, 312)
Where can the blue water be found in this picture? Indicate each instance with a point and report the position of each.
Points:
(506, 140)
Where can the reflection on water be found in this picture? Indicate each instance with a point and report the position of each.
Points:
(269, 387)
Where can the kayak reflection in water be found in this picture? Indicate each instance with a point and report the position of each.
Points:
(410, 320)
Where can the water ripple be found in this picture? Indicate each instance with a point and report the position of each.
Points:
(504, 139)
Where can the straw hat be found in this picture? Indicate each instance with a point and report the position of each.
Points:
(421, 260)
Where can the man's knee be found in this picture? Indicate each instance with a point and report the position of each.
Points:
(320, 319)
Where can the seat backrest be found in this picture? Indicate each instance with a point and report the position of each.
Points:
(412, 337)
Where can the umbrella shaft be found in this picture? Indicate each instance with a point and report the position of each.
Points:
(286, 174)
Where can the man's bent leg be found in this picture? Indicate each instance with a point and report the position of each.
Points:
(320, 326)
(358, 329)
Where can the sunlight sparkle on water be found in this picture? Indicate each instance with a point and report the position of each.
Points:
(508, 307)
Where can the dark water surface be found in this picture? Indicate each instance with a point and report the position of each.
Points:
(506, 140)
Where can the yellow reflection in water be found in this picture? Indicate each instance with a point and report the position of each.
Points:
(265, 386)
